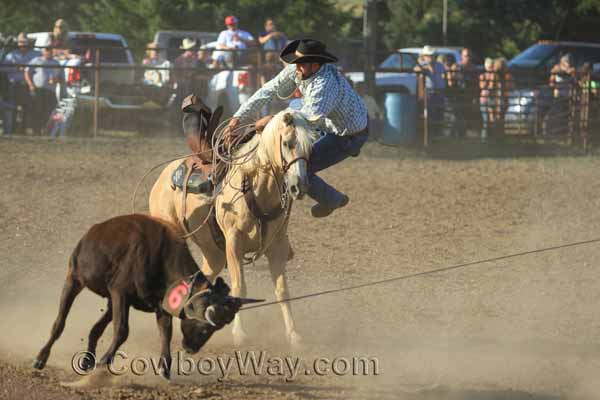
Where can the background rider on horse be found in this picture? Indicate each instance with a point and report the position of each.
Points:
(328, 101)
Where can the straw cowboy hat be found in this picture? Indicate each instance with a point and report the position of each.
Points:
(306, 51)
(427, 51)
(188, 44)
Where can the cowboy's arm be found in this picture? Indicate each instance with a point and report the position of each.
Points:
(282, 84)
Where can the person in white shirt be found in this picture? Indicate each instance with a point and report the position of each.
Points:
(232, 38)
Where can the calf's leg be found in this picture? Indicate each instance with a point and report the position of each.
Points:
(70, 290)
(89, 361)
(120, 317)
(165, 327)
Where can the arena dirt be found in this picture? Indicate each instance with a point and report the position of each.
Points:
(524, 328)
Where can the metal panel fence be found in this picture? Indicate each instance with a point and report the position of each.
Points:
(95, 95)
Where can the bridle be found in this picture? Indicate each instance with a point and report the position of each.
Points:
(285, 164)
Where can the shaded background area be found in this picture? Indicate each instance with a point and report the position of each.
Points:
(490, 27)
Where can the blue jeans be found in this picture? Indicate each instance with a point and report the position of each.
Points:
(329, 150)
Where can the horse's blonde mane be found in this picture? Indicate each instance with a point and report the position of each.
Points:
(267, 144)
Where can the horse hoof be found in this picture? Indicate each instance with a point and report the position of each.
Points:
(37, 364)
(295, 340)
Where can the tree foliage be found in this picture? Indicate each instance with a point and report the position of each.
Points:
(138, 20)
(490, 27)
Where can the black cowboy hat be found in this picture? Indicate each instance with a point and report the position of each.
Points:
(306, 51)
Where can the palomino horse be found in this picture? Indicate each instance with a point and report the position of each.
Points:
(252, 208)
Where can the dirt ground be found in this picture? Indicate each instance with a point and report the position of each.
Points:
(525, 328)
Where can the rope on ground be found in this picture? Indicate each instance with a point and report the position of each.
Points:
(425, 273)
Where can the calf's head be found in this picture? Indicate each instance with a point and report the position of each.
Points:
(202, 307)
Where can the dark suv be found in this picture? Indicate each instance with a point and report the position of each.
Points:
(544, 55)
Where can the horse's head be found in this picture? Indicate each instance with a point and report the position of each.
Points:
(291, 144)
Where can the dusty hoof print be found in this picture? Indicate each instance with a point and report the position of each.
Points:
(97, 379)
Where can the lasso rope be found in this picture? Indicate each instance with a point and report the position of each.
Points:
(425, 273)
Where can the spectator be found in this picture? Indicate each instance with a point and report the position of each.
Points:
(467, 106)
(185, 66)
(232, 38)
(466, 71)
(450, 66)
(42, 76)
(486, 85)
(60, 40)
(153, 76)
(503, 84)
(562, 77)
(17, 93)
(563, 82)
(272, 41)
(434, 82)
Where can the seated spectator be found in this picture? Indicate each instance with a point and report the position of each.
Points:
(232, 38)
(155, 77)
(205, 58)
(60, 40)
(17, 93)
(272, 41)
(42, 76)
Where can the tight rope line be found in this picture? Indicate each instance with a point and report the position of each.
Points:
(424, 273)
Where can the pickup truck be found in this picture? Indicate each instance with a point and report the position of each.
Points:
(405, 60)
(532, 99)
(114, 80)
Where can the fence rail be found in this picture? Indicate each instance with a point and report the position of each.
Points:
(93, 95)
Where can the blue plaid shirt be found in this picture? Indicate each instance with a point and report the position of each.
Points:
(328, 99)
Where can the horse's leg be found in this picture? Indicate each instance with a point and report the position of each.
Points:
(70, 290)
(89, 361)
(234, 254)
(120, 311)
(165, 326)
(277, 254)
(213, 258)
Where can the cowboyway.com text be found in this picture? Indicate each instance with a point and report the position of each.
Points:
(243, 363)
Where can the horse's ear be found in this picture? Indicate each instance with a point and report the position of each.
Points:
(288, 119)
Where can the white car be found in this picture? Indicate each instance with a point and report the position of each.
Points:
(405, 60)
